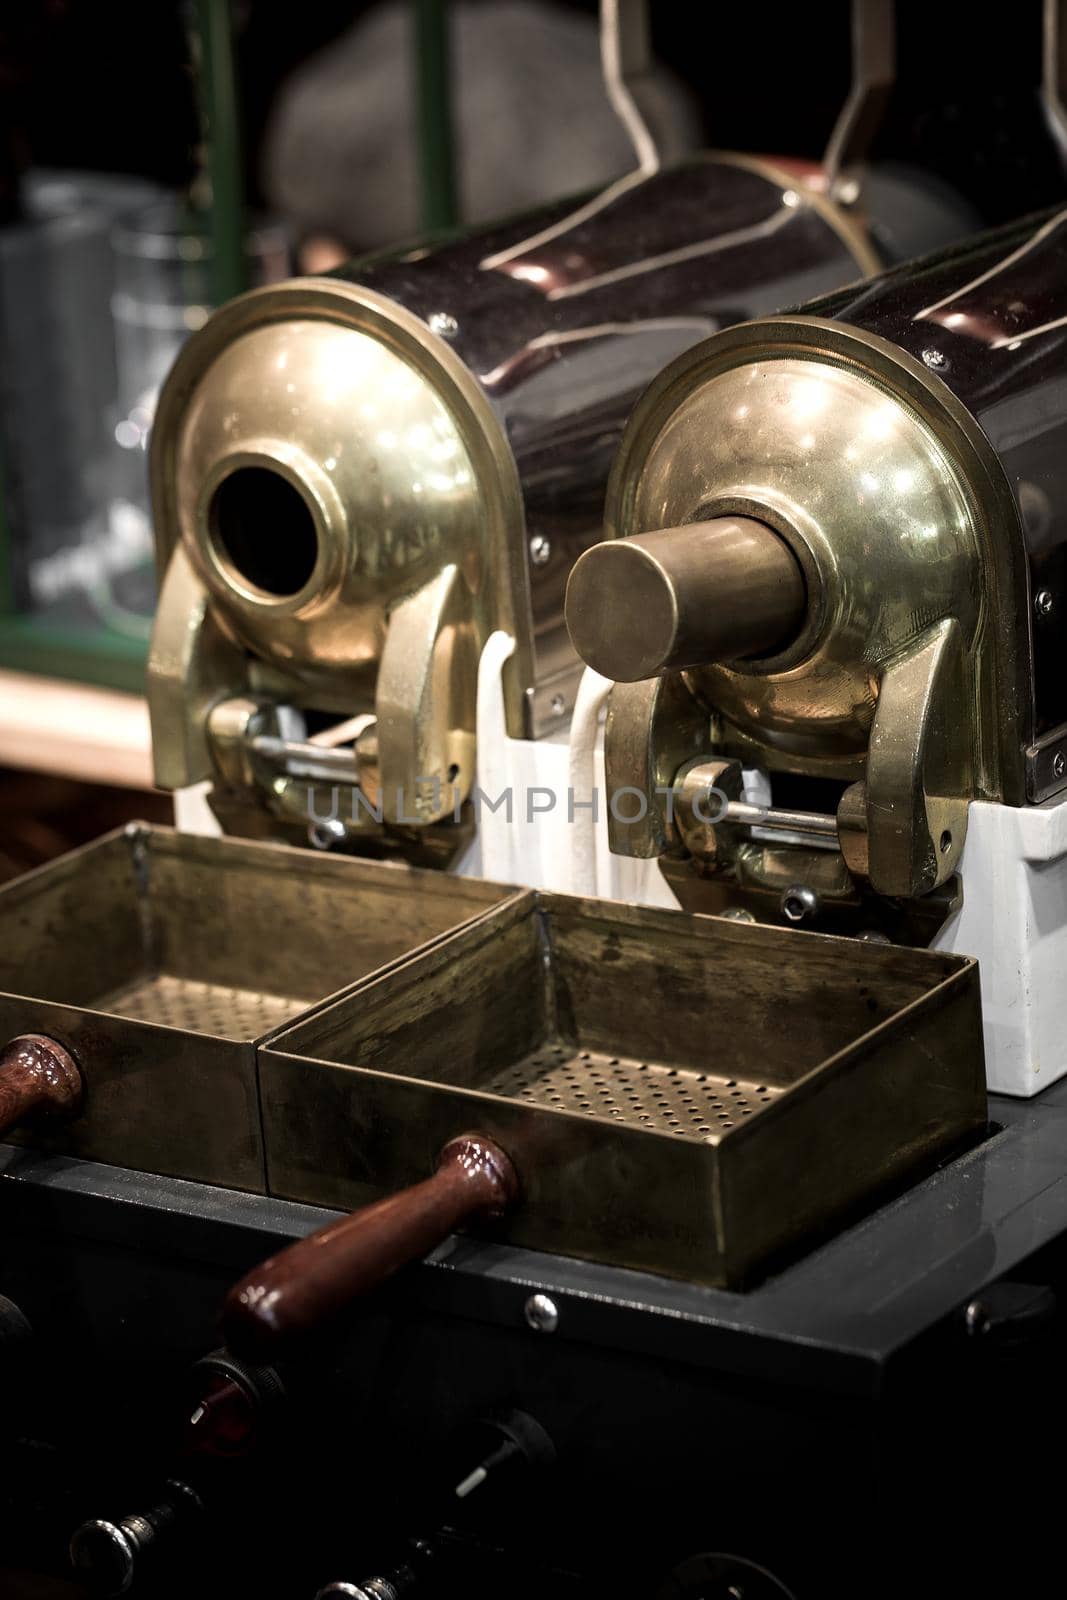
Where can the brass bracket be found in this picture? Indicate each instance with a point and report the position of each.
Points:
(654, 728)
(231, 726)
(919, 769)
(425, 702)
(874, 70)
(1046, 766)
(702, 790)
(1054, 69)
(191, 666)
(628, 67)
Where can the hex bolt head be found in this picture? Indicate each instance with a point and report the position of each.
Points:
(324, 833)
(798, 903)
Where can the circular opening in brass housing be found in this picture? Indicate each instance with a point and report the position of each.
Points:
(264, 529)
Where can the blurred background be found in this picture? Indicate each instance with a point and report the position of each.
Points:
(157, 159)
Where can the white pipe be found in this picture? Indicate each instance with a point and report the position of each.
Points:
(593, 691)
(493, 767)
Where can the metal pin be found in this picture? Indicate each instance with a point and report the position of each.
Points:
(472, 1481)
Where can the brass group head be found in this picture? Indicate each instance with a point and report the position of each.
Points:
(800, 536)
(336, 511)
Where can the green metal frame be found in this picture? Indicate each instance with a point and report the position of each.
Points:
(216, 82)
(439, 187)
(86, 654)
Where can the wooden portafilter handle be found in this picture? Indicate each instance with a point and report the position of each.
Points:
(301, 1287)
(37, 1074)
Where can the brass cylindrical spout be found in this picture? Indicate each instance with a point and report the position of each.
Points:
(721, 590)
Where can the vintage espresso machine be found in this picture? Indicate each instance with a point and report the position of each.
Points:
(360, 480)
(833, 613)
(710, 1179)
(709, 1221)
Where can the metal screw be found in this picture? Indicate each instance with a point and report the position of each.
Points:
(790, 198)
(976, 1318)
(1043, 602)
(1059, 764)
(933, 358)
(847, 192)
(736, 914)
(441, 323)
(327, 832)
(540, 549)
(557, 705)
(873, 936)
(541, 1314)
(799, 902)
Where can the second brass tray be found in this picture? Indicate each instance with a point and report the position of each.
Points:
(678, 1093)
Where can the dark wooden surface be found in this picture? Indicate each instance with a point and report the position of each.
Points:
(42, 817)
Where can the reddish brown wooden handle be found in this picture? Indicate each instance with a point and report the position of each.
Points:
(305, 1284)
(37, 1074)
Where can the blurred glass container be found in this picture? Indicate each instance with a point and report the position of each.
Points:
(101, 279)
(163, 276)
(58, 376)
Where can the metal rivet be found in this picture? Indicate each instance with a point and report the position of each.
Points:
(1059, 763)
(736, 914)
(1043, 602)
(541, 1314)
(441, 323)
(847, 192)
(933, 358)
(540, 549)
(790, 198)
(557, 705)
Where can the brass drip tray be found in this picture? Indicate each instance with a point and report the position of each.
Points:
(670, 1100)
(678, 1093)
(159, 959)
(225, 1011)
